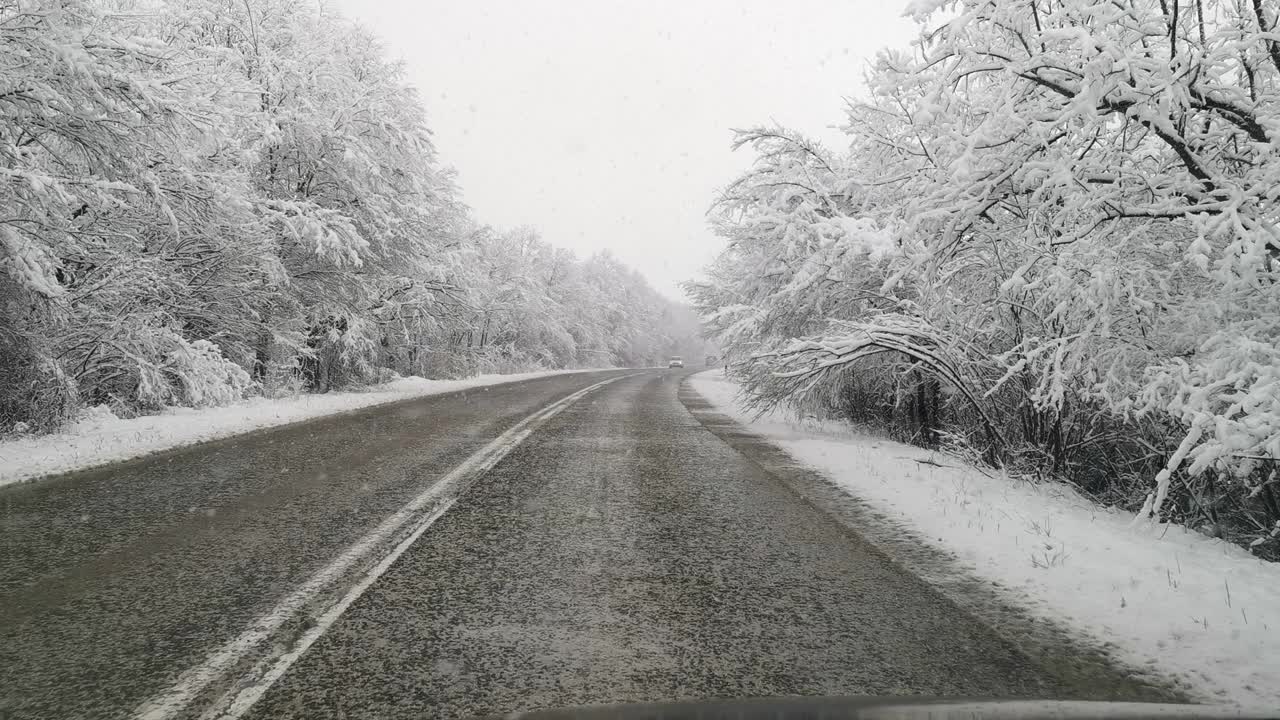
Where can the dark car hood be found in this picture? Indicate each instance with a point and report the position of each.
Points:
(878, 708)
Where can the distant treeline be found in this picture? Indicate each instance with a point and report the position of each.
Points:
(204, 199)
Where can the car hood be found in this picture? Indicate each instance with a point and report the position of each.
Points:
(884, 708)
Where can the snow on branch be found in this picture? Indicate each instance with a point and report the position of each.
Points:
(802, 364)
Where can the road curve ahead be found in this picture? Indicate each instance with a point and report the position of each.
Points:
(598, 546)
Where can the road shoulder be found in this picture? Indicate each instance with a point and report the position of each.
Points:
(100, 438)
(1065, 651)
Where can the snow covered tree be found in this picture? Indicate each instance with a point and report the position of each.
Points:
(210, 198)
(1075, 200)
(344, 179)
(123, 239)
(1142, 138)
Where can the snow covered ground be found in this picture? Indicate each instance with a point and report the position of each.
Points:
(100, 437)
(1170, 600)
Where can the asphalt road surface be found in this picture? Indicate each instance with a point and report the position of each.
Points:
(610, 549)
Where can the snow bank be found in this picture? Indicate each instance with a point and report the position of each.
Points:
(100, 437)
(1171, 600)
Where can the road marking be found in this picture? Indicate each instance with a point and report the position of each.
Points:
(408, 523)
(238, 701)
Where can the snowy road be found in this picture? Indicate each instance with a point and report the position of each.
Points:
(616, 551)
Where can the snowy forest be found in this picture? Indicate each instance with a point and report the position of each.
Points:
(1051, 243)
(202, 200)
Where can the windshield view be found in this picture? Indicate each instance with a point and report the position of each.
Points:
(667, 359)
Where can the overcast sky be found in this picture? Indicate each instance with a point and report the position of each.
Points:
(606, 124)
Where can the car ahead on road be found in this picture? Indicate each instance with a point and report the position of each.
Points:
(675, 362)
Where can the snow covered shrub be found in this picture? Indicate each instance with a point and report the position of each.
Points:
(282, 380)
(34, 392)
(201, 377)
(506, 358)
(338, 353)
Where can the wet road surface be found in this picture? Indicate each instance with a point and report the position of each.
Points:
(621, 552)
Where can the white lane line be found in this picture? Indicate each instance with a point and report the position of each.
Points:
(238, 701)
(435, 500)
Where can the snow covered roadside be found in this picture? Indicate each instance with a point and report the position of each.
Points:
(104, 438)
(1168, 599)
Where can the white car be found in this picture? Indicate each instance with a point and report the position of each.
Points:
(675, 362)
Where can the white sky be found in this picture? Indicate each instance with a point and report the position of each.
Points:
(607, 123)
